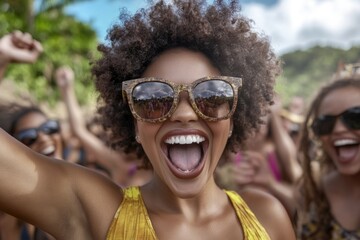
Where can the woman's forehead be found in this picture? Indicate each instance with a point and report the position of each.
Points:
(340, 99)
(30, 120)
(181, 65)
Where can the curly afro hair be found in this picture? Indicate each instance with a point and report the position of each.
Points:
(217, 30)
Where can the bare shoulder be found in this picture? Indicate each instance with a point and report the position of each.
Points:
(270, 212)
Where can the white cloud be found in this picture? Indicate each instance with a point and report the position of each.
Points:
(294, 24)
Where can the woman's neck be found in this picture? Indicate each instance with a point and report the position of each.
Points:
(158, 197)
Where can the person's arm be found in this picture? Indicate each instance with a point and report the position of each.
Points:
(112, 160)
(285, 146)
(59, 197)
(18, 47)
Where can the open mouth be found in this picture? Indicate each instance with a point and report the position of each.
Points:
(185, 154)
(346, 149)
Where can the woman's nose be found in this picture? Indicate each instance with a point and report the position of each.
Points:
(184, 111)
(339, 126)
(42, 136)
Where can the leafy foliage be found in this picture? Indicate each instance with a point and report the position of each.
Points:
(66, 41)
(305, 71)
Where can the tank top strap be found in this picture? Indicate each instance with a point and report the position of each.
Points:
(251, 226)
(131, 220)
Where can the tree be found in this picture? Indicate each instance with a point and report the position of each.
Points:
(305, 71)
(25, 9)
(66, 41)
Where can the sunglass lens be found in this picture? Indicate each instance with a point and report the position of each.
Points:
(27, 137)
(152, 100)
(352, 118)
(323, 125)
(50, 127)
(214, 98)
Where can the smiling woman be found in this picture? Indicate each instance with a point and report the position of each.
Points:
(177, 50)
(207, 84)
(32, 127)
(330, 151)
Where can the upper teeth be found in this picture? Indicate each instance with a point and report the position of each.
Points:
(343, 142)
(48, 150)
(185, 139)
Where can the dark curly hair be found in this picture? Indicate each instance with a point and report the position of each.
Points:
(12, 112)
(217, 30)
(309, 152)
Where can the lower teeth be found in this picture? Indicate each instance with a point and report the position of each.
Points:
(184, 171)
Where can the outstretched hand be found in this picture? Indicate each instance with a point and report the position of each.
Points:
(18, 47)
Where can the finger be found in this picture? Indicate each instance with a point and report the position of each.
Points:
(36, 46)
(244, 165)
(59, 77)
(256, 163)
(245, 172)
(256, 160)
(15, 38)
(241, 167)
(24, 57)
(16, 34)
(27, 39)
(21, 40)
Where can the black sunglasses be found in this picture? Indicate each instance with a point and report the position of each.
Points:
(324, 125)
(30, 135)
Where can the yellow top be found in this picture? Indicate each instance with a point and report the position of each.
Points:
(132, 221)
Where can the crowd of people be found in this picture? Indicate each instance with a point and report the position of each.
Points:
(190, 141)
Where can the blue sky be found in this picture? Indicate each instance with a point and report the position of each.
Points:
(289, 24)
(102, 13)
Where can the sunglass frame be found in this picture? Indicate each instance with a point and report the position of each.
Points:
(129, 85)
(37, 130)
(317, 121)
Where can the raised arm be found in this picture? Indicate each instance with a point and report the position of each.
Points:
(112, 160)
(18, 47)
(50, 193)
(285, 146)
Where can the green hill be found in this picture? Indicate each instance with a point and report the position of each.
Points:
(304, 71)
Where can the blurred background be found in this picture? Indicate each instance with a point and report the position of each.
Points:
(315, 39)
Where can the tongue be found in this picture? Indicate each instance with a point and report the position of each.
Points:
(348, 153)
(185, 156)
